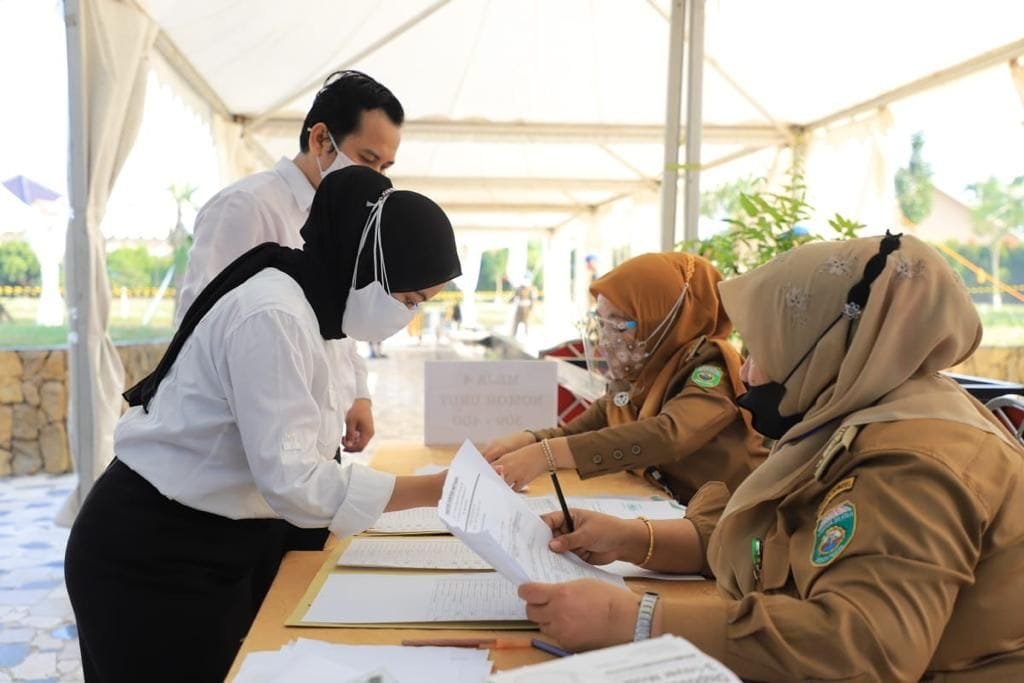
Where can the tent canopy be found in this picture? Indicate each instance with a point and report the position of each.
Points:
(533, 109)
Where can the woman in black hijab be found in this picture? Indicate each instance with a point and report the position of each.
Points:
(236, 429)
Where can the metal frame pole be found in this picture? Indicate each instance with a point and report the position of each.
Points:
(694, 119)
(673, 102)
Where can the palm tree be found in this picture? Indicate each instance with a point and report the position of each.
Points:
(179, 238)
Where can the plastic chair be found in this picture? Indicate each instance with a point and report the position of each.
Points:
(1009, 410)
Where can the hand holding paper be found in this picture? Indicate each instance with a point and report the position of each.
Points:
(479, 508)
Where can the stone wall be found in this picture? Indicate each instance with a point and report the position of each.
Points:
(996, 362)
(34, 403)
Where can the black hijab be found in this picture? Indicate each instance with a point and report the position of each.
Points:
(416, 237)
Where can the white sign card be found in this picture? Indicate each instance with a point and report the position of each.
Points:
(482, 400)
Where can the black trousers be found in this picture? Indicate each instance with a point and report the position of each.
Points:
(161, 591)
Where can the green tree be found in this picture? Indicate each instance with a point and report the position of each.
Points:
(18, 264)
(766, 225)
(535, 263)
(914, 184)
(492, 268)
(136, 267)
(998, 213)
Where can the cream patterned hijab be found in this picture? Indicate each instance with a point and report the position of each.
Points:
(918, 320)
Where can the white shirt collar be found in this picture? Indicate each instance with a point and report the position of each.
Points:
(297, 182)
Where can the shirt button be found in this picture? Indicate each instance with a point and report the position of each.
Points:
(597, 459)
(635, 450)
(617, 454)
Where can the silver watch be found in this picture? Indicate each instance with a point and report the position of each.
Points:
(645, 617)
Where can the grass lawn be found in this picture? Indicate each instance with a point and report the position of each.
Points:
(125, 323)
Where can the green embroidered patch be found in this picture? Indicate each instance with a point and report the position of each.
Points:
(707, 376)
(834, 532)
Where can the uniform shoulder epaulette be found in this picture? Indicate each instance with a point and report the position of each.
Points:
(836, 446)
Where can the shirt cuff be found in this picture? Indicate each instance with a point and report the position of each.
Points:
(369, 492)
(702, 621)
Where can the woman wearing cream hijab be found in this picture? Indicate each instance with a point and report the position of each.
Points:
(671, 410)
(884, 535)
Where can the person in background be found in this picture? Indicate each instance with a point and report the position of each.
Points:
(353, 120)
(882, 539)
(670, 410)
(522, 300)
(236, 430)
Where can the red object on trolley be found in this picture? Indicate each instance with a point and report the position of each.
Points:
(570, 406)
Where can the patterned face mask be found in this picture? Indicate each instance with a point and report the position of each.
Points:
(612, 348)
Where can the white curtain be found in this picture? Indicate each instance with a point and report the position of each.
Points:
(1017, 74)
(108, 46)
(470, 255)
(849, 170)
(235, 156)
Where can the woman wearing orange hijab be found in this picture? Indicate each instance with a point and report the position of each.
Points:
(670, 409)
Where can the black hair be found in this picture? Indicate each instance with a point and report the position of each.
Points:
(341, 102)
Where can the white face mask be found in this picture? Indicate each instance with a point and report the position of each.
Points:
(372, 314)
(340, 160)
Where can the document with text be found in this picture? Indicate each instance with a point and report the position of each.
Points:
(396, 598)
(478, 507)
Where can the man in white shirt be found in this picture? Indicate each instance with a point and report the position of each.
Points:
(353, 120)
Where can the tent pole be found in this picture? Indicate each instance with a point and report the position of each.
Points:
(694, 118)
(670, 169)
(77, 263)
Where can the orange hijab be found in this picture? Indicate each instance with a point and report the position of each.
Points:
(645, 289)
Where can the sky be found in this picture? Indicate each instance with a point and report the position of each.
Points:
(972, 130)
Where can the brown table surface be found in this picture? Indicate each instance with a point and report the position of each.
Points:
(297, 570)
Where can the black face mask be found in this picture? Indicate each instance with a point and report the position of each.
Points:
(763, 401)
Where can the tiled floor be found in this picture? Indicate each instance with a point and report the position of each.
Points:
(38, 640)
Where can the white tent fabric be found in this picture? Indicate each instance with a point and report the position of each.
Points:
(569, 95)
(108, 45)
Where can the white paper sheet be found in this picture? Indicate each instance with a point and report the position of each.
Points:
(479, 507)
(668, 659)
(396, 598)
(314, 661)
(426, 520)
(443, 552)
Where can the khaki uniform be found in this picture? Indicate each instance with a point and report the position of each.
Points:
(697, 437)
(901, 559)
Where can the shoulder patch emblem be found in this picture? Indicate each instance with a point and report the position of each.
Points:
(707, 376)
(833, 533)
(840, 488)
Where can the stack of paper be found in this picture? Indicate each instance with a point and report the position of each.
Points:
(314, 661)
(668, 659)
(478, 507)
(424, 599)
(425, 521)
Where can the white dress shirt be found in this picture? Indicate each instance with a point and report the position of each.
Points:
(271, 206)
(246, 422)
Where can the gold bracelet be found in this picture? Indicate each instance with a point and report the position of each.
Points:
(650, 541)
(546, 447)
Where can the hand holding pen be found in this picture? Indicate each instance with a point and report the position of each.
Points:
(597, 538)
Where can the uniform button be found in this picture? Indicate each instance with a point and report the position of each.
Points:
(617, 454)
(635, 450)
(597, 459)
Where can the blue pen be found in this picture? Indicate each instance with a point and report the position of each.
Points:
(549, 648)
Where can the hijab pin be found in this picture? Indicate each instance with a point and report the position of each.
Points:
(851, 310)
(621, 399)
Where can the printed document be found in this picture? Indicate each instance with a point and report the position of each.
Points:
(668, 659)
(478, 507)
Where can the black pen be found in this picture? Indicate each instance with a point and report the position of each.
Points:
(561, 501)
